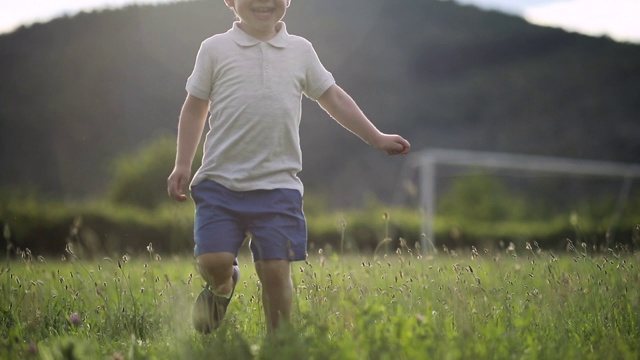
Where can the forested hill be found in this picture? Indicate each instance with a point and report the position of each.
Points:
(76, 92)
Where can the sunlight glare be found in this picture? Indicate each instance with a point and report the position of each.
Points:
(14, 13)
(616, 18)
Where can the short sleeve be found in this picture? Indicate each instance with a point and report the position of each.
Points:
(317, 78)
(200, 83)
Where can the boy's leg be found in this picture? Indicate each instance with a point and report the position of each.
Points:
(221, 274)
(217, 270)
(218, 236)
(278, 236)
(277, 291)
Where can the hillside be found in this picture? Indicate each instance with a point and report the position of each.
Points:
(76, 92)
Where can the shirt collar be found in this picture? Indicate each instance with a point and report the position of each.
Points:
(243, 39)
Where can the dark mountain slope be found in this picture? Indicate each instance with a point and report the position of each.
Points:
(78, 91)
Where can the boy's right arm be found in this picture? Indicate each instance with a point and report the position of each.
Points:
(191, 124)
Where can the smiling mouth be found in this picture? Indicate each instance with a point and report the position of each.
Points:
(263, 12)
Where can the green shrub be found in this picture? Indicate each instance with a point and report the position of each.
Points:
(140, 179)
(94, 229)
(102, 228)
(482, 198)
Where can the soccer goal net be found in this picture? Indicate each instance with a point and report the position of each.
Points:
(564, 180)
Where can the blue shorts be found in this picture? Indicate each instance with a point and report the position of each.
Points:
(273, 219)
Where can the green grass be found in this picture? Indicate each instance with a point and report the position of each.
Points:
(516, 303)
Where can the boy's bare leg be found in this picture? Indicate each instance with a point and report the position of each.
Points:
(216, 269)
(277, 291)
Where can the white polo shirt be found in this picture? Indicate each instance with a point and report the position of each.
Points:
(255, 89)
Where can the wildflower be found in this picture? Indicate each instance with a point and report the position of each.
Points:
(574, 219)
(75, 319)
(69, 248)
(33, 348)
(6, 233)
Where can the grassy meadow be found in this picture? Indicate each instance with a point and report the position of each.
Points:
(511, 303)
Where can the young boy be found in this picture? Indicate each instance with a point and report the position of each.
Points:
(251, 80)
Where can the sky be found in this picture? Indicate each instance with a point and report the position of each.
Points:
(617, 19)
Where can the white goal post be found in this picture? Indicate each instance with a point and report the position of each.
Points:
(426, 162)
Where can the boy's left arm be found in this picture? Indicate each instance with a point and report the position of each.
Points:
(345, 111)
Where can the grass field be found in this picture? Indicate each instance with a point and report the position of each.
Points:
(501, 304)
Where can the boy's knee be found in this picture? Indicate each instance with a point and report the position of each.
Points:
(215, 264)
(273, 271)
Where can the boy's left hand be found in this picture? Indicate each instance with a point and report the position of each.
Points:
(392, 144)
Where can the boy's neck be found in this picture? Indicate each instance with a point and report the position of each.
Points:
(261, 35)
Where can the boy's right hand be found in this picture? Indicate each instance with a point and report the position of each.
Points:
(177, 182)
